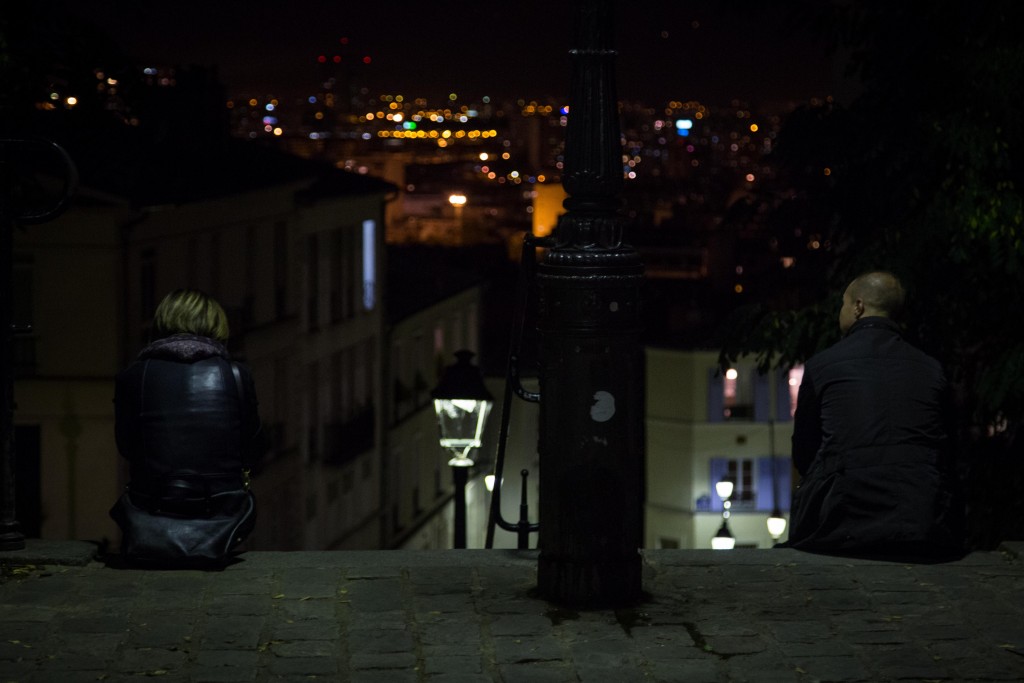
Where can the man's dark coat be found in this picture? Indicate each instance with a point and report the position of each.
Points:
(872, 443)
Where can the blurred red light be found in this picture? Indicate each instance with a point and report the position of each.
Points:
(337, 59)
(366, 59)
(321, 59)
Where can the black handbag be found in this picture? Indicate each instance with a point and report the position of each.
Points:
(201, 538)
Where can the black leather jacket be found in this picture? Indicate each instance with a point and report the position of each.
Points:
(185, 421)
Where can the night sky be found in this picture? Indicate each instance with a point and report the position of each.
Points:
(706, 50)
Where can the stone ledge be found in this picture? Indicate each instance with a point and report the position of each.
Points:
(41, 551)
(80, 553)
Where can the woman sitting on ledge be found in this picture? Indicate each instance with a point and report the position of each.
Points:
(187, 421)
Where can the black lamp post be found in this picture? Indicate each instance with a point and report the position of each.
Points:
(776, 522)
(462, 404)
(590, 357)
(723, 539)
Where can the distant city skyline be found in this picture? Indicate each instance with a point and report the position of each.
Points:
(708, 51)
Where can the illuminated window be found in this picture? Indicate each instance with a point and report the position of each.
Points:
(744, 394)
(737, 394)
(793, 379)
(369, 264)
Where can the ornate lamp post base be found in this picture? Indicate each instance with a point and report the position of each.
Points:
(591, 426)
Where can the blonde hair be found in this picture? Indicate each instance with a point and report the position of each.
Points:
(190, 311)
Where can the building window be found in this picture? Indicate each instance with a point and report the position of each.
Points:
(337, 276)
(740, 472)
(313, 410)
(369, 264)
(23, 342)
(338, 408)
(793, 379)
(147, 284)
(249, 297)
(215, 265)
(312, 283)
(280, 270)
(730, 395)
(758, 482)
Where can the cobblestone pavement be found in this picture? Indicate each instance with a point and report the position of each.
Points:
(469, 615)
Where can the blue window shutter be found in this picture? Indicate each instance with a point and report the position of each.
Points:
(782, 485)
(762, 398)
(763, 493)
(785, 474)
(716, 402)
(782, 399)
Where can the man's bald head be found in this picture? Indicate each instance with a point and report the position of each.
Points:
(877, 293)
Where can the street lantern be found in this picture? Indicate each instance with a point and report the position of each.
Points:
(776, 524)
(462, 404)
(723, 539)
(724, 490)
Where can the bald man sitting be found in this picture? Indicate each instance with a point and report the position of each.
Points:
(872, 440)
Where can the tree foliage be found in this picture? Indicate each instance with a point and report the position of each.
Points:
(919, 173)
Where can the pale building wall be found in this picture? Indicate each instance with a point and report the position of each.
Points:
(73, 282)
(682, 442)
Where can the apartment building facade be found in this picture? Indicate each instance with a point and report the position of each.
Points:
(297, 264)
(704, 425)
